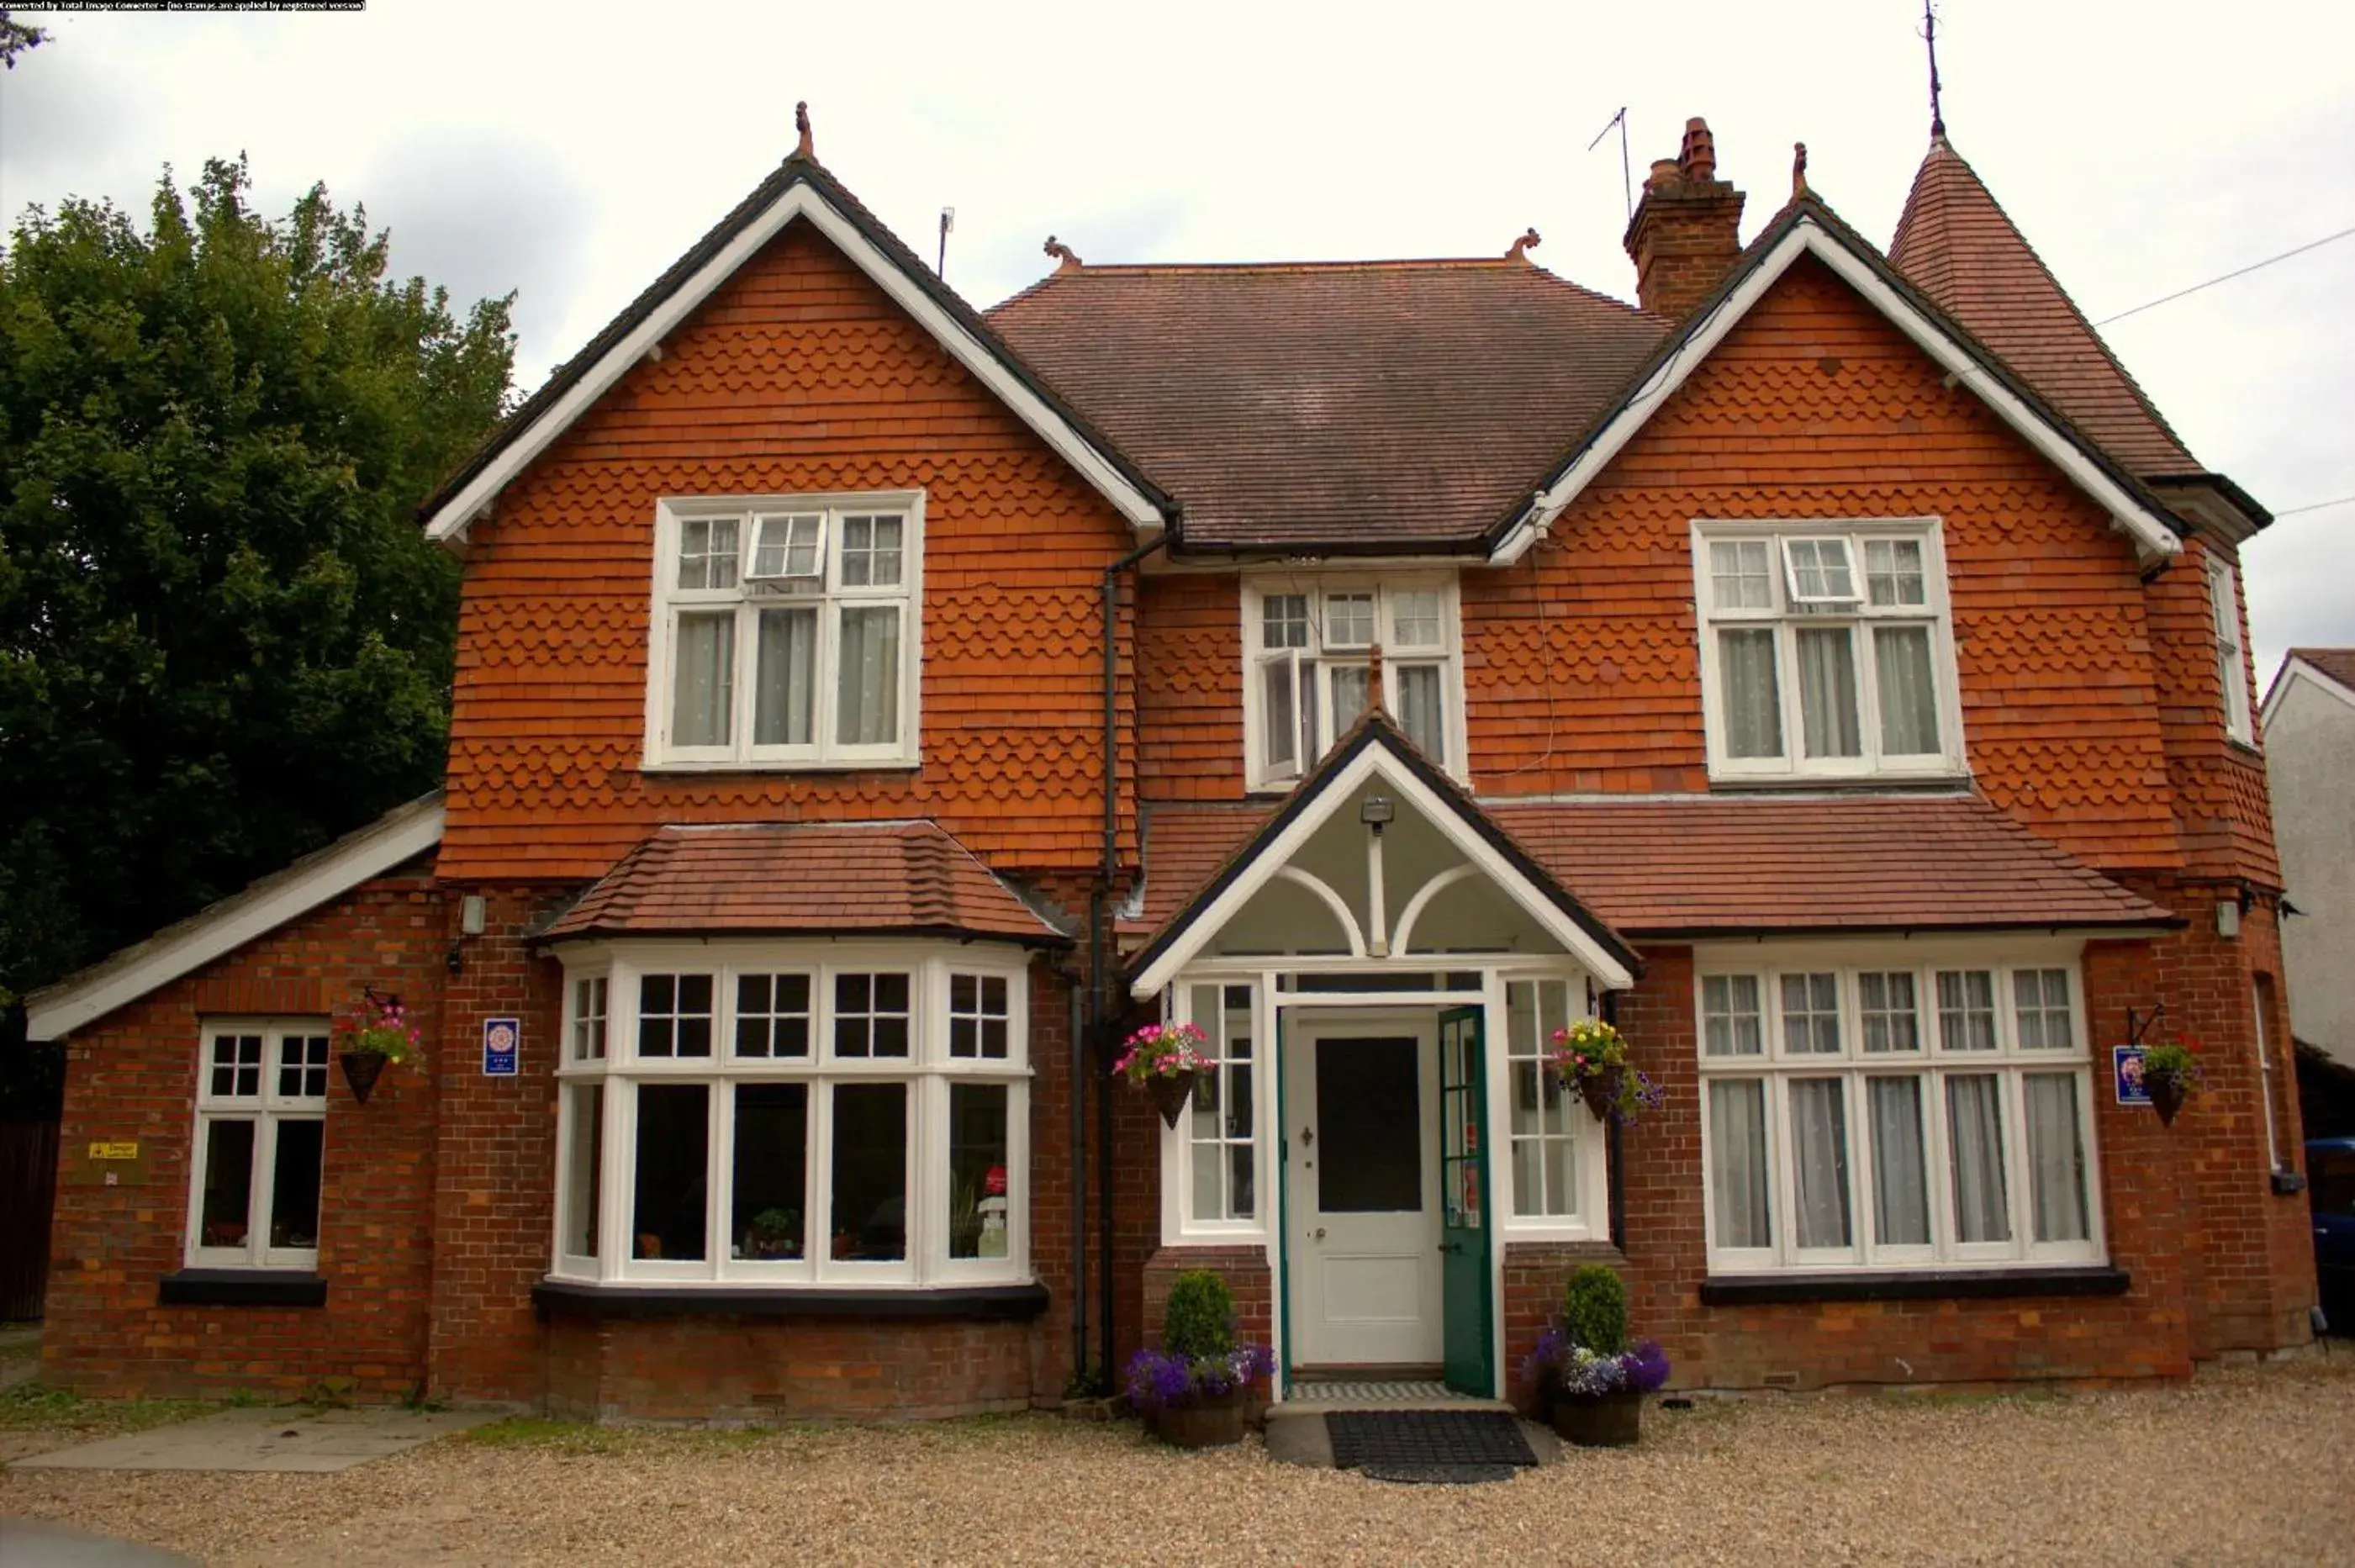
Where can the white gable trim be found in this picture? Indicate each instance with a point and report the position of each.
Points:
(1376, 759)
(401, 835)
(449, 523)
(2296, 670)
(2153, 536)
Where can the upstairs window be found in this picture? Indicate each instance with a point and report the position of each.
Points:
(1310, 645)
(785, 632)
(2232, 678)
(1825, 653)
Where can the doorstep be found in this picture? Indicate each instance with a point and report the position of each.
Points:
(1296, 1433)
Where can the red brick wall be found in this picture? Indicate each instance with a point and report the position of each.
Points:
(1245, 1270)
(132, 1075)
(798, 376)
(2221, 804)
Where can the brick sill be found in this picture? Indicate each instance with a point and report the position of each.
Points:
(1931, 1285)
(242, 1287)
(969, 1303)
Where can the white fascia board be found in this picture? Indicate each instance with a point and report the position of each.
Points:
(2153, 538)
(403, 834)
(2296, 670)
(801, 201)
(1608, 972)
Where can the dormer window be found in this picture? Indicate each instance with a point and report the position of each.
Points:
(784, 632)
(1310, 645)
(1827, 654)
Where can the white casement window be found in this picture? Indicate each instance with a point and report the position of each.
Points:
(261, 1109)
(1826, 651)
(1909, 1114)
(794, 1113)
(2232, 673)
(1221, 1121)
(1546, 1122)
(784, 632)
(1310, 645)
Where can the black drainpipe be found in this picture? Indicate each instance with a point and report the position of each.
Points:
(1105, 1012)
(1079, 1186)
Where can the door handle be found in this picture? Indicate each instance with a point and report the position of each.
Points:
(1317, 1234)
(1307, 1137)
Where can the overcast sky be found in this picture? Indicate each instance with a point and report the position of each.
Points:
(569, 151)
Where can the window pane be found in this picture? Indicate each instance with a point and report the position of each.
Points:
(302, 1067)
(294, 1184)
(785, 678)
(1423, 711)
(1975, 1141)
(870, 552)
(2042, 999)
(868, 678)
(870, 1172)
(1966, 1010)
(978, 1171)
(674, 1014)
(787, 547)
(871, 1014)
(2056, 1159)
(222, 1217)
(1350, 688)
(977, 1016)
(1369, 1126)
(1414, 618)
(707, 552)
(703, 659)
(1892, 572)
(584, 1146)
(1909, 692)
(237, 1066)
(673, 1175)
(1742, 574)
(1737, 1162)
(1900, 1196)
(1811, 1014)
(1279, 723)
(1731, 1022)
(1348, 620)
(1827, 692)
(589, 1003)
(772, 1015)
(1891, 1023)
(1749, 692)
(1284, 621)
(767, 1219)
(1819, 1154)
(1820, 570)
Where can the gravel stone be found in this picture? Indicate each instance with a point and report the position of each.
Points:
(2245, 1465)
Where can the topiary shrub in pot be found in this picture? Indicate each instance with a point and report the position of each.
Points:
(1583, 1374)
(1193, 1390)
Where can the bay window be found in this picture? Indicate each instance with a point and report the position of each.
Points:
(784, 632)
(1860, 1115)
(260, 1136)
(1310, 646)
(1826, 650)
(795, 1114)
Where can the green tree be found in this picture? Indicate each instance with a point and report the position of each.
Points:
(223, 640)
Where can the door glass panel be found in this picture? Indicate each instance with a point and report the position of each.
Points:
(1369, 1126)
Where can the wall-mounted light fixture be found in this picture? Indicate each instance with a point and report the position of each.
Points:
(1376, 812)
(473, 914)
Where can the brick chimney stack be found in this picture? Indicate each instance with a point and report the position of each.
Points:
(1685, 234)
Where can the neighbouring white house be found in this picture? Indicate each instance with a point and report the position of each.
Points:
(2310, 728)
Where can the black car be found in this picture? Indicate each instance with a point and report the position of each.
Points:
(2330, 1177)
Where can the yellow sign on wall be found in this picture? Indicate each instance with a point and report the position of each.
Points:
(115, 1151)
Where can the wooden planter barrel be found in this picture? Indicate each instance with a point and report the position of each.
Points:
(1610, 1421)
(1213, 1421)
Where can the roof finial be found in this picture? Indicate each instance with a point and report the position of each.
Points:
(801, 123)
(1799, 171)
(1520, 251)
(1930, 36)
(1066, 258)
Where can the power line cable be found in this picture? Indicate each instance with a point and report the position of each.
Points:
(2314, 507)
(2225, 278)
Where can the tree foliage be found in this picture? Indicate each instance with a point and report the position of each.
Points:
(223, 639)
(16, 37)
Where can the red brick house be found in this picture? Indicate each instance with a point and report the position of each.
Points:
(1831, 669)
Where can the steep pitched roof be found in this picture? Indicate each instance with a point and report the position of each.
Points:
(818, 879)
(1739, 865)
(1959, 247)
(801, 187)
(1386, 406)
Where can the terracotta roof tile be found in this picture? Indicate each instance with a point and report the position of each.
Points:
(1689, 866)
(1333, 403)
(1958, 247)
(895, 877)
(2339, 664)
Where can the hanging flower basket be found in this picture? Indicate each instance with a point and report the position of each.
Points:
(1590, 1057)
(2169, 1074)
(381, 1033)
(361, 1070)
(1601, 1089)
(1165, 1059)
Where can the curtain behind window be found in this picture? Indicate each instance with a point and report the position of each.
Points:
(1827, 692)
(1754, 707)
(703, 663)
(1975, 1126)
(868, 713)
(1909, 694)
(1820, 1152)
(2056, 1175)
(1737, 1142)
(788, 663)
(1900, 1196)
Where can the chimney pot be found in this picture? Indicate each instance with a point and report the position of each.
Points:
(1697, 157)
(1685, 234)
(1664, 171)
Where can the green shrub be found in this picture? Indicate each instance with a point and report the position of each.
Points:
(1200, 1319)
(1594, 1309)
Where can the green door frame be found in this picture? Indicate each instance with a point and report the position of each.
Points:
(1467, 1294)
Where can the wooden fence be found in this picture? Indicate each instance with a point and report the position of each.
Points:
(28, 1187)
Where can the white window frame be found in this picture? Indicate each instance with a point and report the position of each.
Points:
(825, 592)
(2231, 655)
(928, 1071)
(1252, 1070)
(1787, 615)
(1932, 1065)
(1312, 667)
(267, 1108)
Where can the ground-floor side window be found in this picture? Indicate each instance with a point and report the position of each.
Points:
(261, 1140)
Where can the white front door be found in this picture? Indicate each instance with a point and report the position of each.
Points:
(1363, 1241)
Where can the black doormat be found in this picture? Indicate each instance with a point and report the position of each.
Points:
(1446, 1446)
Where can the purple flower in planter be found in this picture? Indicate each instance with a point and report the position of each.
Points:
(1647, 1367)
(1159, 1380)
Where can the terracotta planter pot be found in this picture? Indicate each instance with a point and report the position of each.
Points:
(1170, 1093)
(1601, 1090)
(1612, 1420)
(361, 1070)
(1216, 1421)
(2168, 1094)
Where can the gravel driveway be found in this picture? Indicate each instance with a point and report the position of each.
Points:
(2246, 1465)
